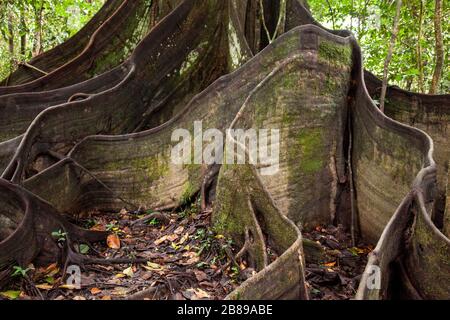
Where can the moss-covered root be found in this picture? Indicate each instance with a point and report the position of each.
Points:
(427, 258)
(412, 256)
(446, 223)
(250, 209)
(27, 224)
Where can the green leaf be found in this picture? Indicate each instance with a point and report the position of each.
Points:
(83, 248)
(10, 294)
(50, 280)
(19, 271)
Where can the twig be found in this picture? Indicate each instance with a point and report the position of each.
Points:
(26, 64)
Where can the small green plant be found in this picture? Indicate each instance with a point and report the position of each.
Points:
(235, 271)
(153, 222)
(20, 272)
(189, 210)
(111, 227)
(200, 234)
(59, 235)
(202, 265)
(90, 223)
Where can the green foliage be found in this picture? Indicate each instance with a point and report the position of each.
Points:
(83, 248)
(59, 235)
(59, 20)
(20, 272)
(153, 222)
(371, 22)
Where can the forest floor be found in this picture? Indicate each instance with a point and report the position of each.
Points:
(184, 260)
(335, 272)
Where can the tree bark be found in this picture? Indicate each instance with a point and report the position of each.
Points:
(309, 82)
(11, 44)
(439, 49)
(23, 34)
(420, 80)
(389, 55)
(37, 45)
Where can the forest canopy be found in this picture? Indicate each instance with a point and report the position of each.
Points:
(31, 27)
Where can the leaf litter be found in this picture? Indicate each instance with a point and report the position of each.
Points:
(185, 260)
(335, 272)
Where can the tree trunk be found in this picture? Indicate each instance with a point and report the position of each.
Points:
(11, 44)
(439, 49)
(420, 81)
(23, 35)
(38, 15)
(104, 142)
(389, 55)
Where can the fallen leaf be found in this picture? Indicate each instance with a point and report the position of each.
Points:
(98, 227)
(192, 258)
(172, 237)
(67, 286)
(183, 239)
(179, 230)
(79, 298)
(330, 264)
(106, 298)
(95, 291)
(189, 254)
(44, 286)
(153, 266)
(160, 240)
(196, 294)
(51, 270)
(200, 275)
(128, 271)
(120, 291)
(120, 275)
(10, 294)
(113, 241)
(146, 275)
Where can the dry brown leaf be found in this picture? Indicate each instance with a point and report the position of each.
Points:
(191, 261)
(67, 286)
(44, 286)
(200, 275)
(160, 240)
(153, 266)
(179, 230)
(113, 241)
(197, 294)
(98, 227)
(95, 291)
(172, 237)
(106, 298)
(184, 238)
